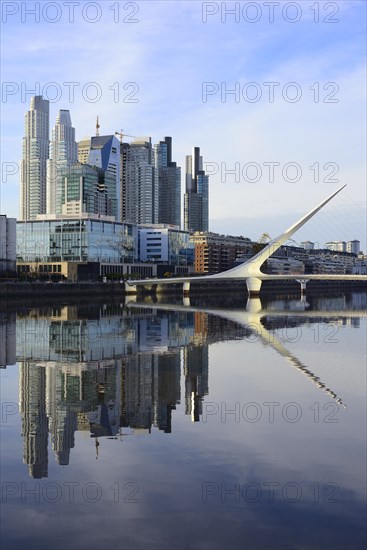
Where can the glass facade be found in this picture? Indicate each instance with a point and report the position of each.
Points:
(165, 245)
(75, 240)
(86, 189)
(35, 153)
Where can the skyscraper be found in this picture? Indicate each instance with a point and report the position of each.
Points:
(169, 184)
(139, 182)
(196, 200)
(103, 152)
(64, 153)
(34, 160)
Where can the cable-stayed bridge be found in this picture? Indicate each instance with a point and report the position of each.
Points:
(250, 270)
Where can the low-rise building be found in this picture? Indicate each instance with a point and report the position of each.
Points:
(277, 266)
(336, 246)
(166, 244)
(7, 246)
(76, 248)
(307, 245)
(215, 253)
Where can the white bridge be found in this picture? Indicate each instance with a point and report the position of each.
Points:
(250, 271)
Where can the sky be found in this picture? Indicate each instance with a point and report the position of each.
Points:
(273, 93)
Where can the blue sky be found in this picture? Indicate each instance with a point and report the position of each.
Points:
(169, 53)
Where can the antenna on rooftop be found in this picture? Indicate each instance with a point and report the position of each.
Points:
(97, 126)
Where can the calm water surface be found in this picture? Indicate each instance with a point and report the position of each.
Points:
(215, 424)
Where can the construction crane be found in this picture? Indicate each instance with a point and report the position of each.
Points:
(122, 135)
(260, 244)
(264, 238)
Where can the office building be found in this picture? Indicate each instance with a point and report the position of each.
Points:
(165, 244)
(196, 199)
(33, 173)
(83, 247)
(103, 152)
(85, 189)
(63, 153)
(169, 184)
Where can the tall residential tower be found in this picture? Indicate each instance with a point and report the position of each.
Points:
(139, 182)
(34, 159)
(196, 200)
(169, 184)
(64, 153)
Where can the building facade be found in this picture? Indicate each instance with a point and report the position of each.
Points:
(103, 152)
(35, 153)
(85, 189)
(69, 247)
(196, 198)
(353, 247)
(63, 153)
(336, 246)
(7, 246)
(215, 253)
(165, 244)
(307, 245)
(169, 184)
(139, 182)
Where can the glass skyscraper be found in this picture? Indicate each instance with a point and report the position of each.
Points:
(34, 160)
(85, 189)
(63, 153)
(104, 152)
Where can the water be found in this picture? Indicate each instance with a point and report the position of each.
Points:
(215, 425)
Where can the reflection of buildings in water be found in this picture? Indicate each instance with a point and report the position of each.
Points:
(115, 370)
(32, 405)
(139, 392)
(196, 370)
(196, 367)
(151, 390)
(359, 300)
(54, 398)
(350, 301)
(168, 390)
(7, 339)
(96, 375)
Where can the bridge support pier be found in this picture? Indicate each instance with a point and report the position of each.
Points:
(303, 283)
(186, 289)
(130, 289)
(253, 286)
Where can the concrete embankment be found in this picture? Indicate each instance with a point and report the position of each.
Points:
(84, 290)
(62, 290)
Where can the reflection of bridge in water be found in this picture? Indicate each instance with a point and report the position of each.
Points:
(250, 270)
(121, 368)
(255, 320)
